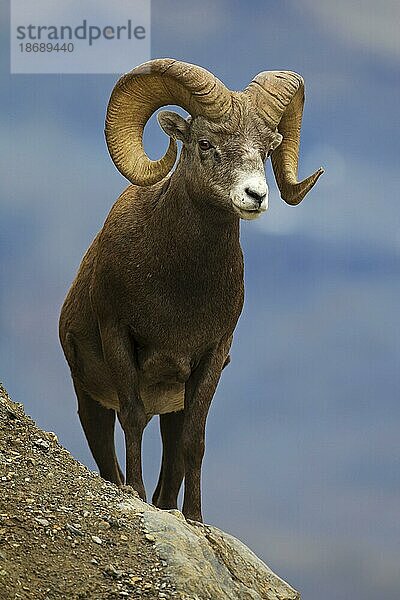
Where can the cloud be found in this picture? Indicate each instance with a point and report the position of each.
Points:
(364, 24)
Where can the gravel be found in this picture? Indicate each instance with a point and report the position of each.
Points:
(62, 534)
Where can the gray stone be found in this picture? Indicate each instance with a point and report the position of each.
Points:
(204, 562)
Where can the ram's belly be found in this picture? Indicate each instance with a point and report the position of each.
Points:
(160, 399)
(157, 399)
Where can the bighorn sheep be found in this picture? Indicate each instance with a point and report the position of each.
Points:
(148, 322)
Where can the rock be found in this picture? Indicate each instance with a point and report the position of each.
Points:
(11, 414)
(42, 444)
(97, 540)
(52, 436)
(204, 562)
(113, 572)
(43, 522)
(150, 549)
(177, 513)
(72, 529)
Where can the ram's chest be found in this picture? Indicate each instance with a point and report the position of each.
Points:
(190, 307)
(208, 293)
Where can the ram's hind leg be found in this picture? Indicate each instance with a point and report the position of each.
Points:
(98, 424)
(172, 466)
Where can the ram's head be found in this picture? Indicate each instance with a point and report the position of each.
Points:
(226, 139)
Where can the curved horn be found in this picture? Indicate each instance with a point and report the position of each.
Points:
(143, 90)
(279, 98)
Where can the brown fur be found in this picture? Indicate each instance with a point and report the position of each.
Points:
(154, 307)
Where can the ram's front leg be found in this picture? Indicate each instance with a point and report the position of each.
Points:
(199, 392)
(118, 353)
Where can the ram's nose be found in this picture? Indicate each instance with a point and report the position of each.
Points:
(257, 195)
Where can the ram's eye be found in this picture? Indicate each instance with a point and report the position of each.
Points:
(204, 144)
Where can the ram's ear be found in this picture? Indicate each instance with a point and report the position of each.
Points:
(174, 125)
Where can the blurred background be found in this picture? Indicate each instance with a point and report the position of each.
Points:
(302, 452)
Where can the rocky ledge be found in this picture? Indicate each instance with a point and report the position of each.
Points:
(66, 533)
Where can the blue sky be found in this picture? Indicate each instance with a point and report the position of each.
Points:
(302, 459)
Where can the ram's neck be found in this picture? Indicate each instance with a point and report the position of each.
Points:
(195, 219)
(191, 243)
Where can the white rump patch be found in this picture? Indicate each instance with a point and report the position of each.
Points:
(162, 398)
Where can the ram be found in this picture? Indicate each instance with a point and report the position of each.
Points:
(148, 322)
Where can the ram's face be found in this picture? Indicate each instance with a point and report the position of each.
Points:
(225, 165)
